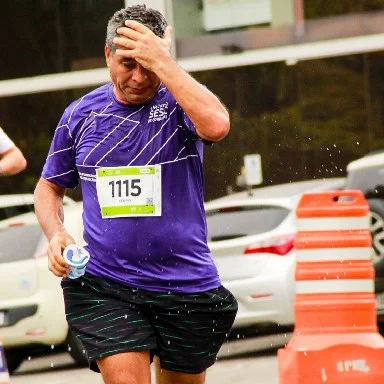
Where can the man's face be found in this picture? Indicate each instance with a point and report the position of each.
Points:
(133, 84)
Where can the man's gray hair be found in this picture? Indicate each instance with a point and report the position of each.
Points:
(151, 18)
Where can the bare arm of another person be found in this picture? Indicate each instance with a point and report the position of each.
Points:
(12, 162)
(50, 214)
(205, 110)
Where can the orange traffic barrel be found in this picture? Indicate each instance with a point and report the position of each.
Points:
(335, 339)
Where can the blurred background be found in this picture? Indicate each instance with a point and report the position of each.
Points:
(303, 79)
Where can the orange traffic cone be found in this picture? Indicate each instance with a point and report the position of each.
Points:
(335, 340)
(4, 375)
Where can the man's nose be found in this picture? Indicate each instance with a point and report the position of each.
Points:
(139, 74)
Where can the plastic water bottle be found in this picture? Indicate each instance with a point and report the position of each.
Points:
(77, 258)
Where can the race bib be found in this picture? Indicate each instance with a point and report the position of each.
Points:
(129, 191)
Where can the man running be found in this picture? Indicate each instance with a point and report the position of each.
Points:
(136, 147)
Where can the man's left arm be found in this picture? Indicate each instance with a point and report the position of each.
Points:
(205, 110)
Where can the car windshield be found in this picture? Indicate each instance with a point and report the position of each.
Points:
(19, 243)
(232, 222)
(15, 210)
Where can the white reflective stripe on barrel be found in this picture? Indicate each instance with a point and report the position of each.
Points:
(335, 286)
(336, 254)
(332, 223)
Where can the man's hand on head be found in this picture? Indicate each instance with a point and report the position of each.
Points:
(136, 41)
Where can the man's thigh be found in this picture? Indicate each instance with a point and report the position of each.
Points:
(124, 368)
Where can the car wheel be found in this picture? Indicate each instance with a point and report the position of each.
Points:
(76, 350)
(14, 358)
(377, 227)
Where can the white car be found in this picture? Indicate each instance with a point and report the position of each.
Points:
(17, 204)
(251, 236)
(31, 300)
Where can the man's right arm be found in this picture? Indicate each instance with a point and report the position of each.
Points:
(50, 214)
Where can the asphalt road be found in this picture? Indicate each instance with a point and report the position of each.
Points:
(233, 366)
(59, 369)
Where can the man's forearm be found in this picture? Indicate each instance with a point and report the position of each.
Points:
(49, 208)
(205, 110)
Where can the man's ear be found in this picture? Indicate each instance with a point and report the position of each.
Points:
(107, 52)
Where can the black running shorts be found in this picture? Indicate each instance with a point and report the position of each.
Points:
(186, 331)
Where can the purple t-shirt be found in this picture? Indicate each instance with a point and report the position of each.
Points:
(164, 253)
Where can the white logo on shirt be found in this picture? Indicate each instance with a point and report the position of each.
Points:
(158, 112)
